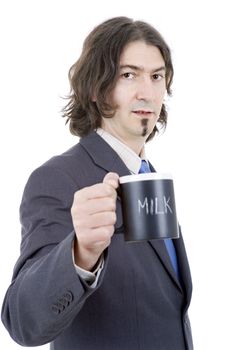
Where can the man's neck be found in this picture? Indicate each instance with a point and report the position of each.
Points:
(136, 145)
(133, 145)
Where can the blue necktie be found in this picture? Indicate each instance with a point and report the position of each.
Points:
(168, 242)
(144, 167)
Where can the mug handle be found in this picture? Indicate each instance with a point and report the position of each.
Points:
(119, 229)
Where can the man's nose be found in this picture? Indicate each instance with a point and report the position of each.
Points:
(145, 90)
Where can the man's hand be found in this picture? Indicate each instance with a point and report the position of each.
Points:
(94, 215)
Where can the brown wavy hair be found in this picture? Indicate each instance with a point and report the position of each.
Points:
(96, 72)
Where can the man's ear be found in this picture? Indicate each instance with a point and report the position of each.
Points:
(93, 99)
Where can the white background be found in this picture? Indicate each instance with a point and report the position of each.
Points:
(40, 40)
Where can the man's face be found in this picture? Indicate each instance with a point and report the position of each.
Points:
(138, 93)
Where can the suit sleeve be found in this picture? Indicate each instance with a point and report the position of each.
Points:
(46, 293)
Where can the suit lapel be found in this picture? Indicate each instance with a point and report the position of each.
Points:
(103, 155)
(161, 251)
(185, 283)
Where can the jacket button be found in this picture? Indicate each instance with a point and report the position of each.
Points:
(64, 302)
(61, 305)
(56, 310)
(69, 296)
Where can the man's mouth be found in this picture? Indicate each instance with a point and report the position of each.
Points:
(143, 113)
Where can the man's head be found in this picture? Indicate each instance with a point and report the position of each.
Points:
(96, 76)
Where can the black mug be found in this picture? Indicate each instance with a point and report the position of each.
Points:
(148, 206)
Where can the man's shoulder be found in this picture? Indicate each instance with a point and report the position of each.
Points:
(85, 163)
(59, 169)
(67, 157)
(79, 153)
(77, 163)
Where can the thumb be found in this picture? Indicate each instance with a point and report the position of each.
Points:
(112, 179)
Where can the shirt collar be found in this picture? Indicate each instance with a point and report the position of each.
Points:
(127, 155)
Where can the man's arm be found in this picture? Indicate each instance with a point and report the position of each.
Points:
(46, 292)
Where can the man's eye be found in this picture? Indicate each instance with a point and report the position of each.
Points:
(158, 76)
(128, 75)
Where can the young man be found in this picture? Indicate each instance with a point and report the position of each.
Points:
(77, 284)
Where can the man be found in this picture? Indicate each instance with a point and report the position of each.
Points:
(77, 283)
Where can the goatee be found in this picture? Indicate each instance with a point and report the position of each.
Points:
(144, 126)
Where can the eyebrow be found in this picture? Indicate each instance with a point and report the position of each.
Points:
(140, 68)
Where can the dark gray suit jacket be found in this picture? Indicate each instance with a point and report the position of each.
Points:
(138, 302)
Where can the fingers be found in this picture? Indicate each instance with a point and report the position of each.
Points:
(112, 179)
(105, 189)
(98, 205)
(101, 236)
(101, 219)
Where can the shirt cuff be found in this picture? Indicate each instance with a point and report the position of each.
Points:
(90, 277)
